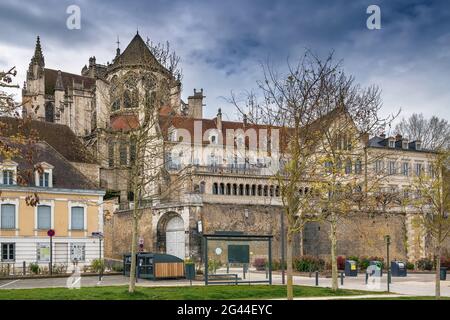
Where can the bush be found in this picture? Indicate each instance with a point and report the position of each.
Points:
(59, 269)
(363, 263)
(213, 265)
(308, 263)
(354, 258)
(340, 262)
(276, 265)
(445, 262)
(425, 264)
(34, 268)
(409, 265)
(260, 264)
(98, 265)
(117, 267)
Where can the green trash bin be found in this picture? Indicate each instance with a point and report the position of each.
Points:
(189, 269)
(443, 273)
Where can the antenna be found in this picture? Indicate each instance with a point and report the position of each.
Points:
(118, 43)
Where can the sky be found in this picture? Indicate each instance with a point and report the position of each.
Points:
(223, 43)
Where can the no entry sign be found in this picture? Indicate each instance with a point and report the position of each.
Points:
(51, 233)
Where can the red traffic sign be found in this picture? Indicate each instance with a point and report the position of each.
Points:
(51, 233)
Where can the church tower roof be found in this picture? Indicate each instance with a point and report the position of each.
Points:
(137, 53)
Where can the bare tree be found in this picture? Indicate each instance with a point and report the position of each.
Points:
(433, 200)
(434, 133)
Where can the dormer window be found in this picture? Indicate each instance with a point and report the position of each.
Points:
(45, 177)
(418, 145)
(8, 173)
(391, 143)
(8, 177)
(405, 144)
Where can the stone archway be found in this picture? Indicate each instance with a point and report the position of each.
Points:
(171, 235)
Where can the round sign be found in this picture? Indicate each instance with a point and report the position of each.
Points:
(218, 251)
(51, 233)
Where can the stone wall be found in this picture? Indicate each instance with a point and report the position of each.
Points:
(359, 236)
(118, 231)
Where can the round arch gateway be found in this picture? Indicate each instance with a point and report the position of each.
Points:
(175, 241)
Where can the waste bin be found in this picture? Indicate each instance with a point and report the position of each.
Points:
(154, 266)
(398, 269)
(189, 269)
(351, 269)
(443, 273)
(379, 270)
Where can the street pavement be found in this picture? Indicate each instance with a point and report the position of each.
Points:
(412, 285)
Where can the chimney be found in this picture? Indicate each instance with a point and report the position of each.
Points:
(195, 105)
(244, 120)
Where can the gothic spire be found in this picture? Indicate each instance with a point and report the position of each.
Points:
(38, 57)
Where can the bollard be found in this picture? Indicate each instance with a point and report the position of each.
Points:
(317, 278)
(24, 266)
(342, 278)
(367, 277)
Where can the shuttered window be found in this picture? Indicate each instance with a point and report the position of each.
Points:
(44, 217)
(8, 216)
(77, 218)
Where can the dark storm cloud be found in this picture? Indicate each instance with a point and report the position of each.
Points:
(222, 42)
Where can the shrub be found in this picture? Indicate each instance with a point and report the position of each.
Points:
(340, 262)
(260, 264)
(34, 268)
(117, 267)
(98, 265)
(213, 265)
(308, 263)
(445, 262)
(276, 265)
(409, 265)
(59, 269)
(425, 264)
(363, 263)
(354, 258)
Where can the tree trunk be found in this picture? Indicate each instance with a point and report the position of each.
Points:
(333, 240)
(132, 285)
(290, 282)
(438, 273)
(302, 252)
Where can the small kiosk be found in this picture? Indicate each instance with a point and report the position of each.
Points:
(154, 266)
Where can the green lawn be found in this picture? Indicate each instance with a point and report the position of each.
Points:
(409, 298)
(171, 293)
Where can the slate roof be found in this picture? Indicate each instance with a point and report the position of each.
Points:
(68, 80)
(65, 175)
(137, 54)
(382, 142)
(59, 136)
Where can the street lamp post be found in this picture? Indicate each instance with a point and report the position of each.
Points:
(388, 243)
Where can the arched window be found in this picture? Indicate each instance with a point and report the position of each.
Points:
(266, 191)
(234, 189)
(228, 189)
(111, 154)
(114, 95)
(271, 191)
(215, 188)
(358, 166)
(253, 190)
(348, 166)
(123, 154)
(241, 189)
(127, 99)
(202, 187)
(259, 190)
(277, 191)
(247, 190)
(222, 188)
